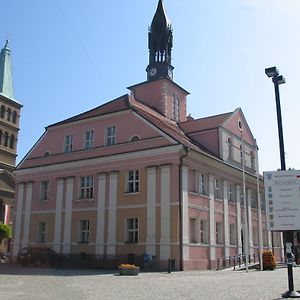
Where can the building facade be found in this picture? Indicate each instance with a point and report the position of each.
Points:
(9, 128)
(137, 175)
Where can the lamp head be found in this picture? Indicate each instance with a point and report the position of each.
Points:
(281, 79)
(271, 72)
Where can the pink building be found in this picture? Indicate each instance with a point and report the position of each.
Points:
(138, 175)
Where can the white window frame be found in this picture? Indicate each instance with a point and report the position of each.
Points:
(68, 146)
(44, 190)
(89, 139)
(219, 233)
(41, 232)
(133, 181)
(204, 231)
(202, 184)
(84, 231)
(110, 135)
(86, 187)
(132, 230)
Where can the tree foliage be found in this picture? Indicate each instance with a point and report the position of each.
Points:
(5, 231)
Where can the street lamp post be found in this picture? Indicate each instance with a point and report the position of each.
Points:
(277, 80)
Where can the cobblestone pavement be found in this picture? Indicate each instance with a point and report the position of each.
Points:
(17, 282)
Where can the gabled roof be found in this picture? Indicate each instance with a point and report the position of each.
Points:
(206, 123)
(119, 104)
(167, 126)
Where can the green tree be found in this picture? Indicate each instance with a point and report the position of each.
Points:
(5, 231)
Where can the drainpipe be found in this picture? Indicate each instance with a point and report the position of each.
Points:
(186, 150)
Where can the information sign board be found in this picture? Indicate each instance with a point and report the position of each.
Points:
(282, 194)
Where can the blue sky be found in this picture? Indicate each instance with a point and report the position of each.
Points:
(70, 56)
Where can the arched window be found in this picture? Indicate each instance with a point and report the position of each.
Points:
(14, 117)
(8, 114)
(2, 111)
(230, 153)
(5, 139)
(12, 141)
(135, 138)
(46, 154)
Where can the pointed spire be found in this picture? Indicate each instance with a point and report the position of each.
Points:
(6, 82)
(160, 45)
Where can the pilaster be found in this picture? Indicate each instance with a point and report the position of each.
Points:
(68, 216)
(165, 232)
(100, 215)
(18, 224)
(112, 213)
(151, 211)
(226, 218)
(250, 227)
(58, 214)
(27, 214)
(212, 230)
(238, 219)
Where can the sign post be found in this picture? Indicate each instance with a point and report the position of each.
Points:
(282, 194)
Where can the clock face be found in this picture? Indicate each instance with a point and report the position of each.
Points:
(152, 71)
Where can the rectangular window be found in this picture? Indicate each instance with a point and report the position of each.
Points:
(41, 238)
(133, 181)
(86, 187)
(217, 189)
(84, 231)
(45, 189)
(204, 231)
(132, 230)
(89, 139)
(253, 200)
(68, 143)
(193, 238)
(232, 234)
(255, 236)
(202, 184)
(231, 192)
(110, 135)
(219, 233)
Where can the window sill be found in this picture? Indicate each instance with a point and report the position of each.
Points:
(131, 243)
(83, 243)
(43, 200)
(84, 199)
(199, 194)
(132, 193)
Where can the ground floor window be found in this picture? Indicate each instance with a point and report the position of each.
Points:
(204, 231)
(132, 230)
(193, 238)
(232, 234)
(84, 231)
(219, 233)
(41, 235)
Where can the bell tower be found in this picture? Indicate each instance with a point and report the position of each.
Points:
(160, 43)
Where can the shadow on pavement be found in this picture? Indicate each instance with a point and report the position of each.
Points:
(15, 269)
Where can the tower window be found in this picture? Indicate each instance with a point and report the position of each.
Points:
(2, 111)
(14, 117)
(12, 141)
(8, 114)
(5, 139)
(175, 108)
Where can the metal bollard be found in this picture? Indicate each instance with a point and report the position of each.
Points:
(169, 265)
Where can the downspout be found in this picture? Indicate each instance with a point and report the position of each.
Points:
(186, 150)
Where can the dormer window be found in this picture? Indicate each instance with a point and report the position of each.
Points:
(135, 138)
(175, 104)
